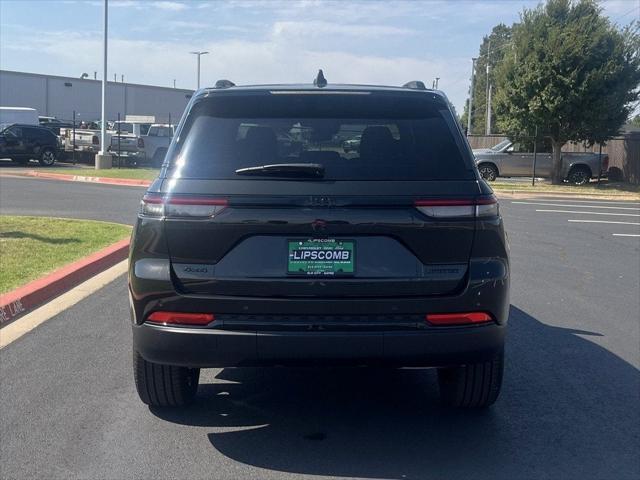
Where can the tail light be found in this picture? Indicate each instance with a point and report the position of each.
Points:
(181, 318)
(458, 318)
(484, 206)
(95, 140)
(153, 205)
(140, 142)
(605, 163)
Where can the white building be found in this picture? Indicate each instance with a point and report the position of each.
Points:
(61, 96)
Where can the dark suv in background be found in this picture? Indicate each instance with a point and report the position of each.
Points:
(22, 143)
(249, 250)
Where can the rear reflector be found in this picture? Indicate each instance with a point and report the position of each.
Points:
(180, 318)
(154, 205)
(458, 318)
(485, 206)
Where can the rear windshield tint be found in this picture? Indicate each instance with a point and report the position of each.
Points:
(354, 137)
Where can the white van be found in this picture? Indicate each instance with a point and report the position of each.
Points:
(24, 115)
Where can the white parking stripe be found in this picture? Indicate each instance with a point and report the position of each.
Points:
(605, 202)
(625, 235)
(576, 206)
(603, 221)
(593, 213)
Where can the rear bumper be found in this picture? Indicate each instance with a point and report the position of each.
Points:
(208, 347)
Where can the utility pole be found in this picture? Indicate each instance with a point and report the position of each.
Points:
(199, 54)
(103, 158)
(489, 110)
(174, 83)
(121, 78)
(470, 112)
(487, 93)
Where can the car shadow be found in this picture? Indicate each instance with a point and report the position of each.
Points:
(568, 409)
(39, 238)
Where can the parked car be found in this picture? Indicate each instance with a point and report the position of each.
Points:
(21, 115)
(56, 126)
(22, 142)
(86, 141)
(352, 144)
(156, 143)
(242, 256)
(127, 143)
(515, 159)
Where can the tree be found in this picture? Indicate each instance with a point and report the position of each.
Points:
(492, 51)
(571, 73)
(635, 121)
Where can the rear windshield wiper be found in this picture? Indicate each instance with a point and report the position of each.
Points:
(312, 170)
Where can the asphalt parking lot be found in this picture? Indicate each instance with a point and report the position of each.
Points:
(569, 407)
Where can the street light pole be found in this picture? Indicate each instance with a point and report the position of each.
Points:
(470, 112)
(103, 159)
(199, 54)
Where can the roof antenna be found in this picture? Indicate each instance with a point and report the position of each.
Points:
(320, 81)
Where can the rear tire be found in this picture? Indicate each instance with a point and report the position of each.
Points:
(48, 157)
(579, 176)
(476, 385)
(164, 385)
(488, 172)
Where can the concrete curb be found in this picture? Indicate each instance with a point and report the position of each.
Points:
(85, 178)
(24, 299)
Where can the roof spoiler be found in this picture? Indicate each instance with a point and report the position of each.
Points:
(415, 84)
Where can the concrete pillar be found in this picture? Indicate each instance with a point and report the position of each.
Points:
(104, 161)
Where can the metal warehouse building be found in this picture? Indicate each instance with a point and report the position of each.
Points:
(61, 96)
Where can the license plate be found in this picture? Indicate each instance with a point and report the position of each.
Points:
(321, 257)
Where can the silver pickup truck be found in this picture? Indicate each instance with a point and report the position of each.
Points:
(515, 159)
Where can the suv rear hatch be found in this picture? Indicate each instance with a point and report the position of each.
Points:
(392, 216)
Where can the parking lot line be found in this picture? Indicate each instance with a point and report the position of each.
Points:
(626, 234)
(592, 213)
(603, 221)
(577, 206)
(604, 202)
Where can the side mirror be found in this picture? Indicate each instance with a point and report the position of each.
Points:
(509, 150)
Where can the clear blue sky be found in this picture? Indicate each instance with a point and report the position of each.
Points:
(252, 41)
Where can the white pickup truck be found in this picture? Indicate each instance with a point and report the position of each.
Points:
(142, 145)
(87, 141)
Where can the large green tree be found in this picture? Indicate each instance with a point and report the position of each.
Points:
(571, 73)
(491, 53)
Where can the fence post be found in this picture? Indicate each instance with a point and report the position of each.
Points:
(599, 162)
(73, 140)
(119, 157)
(535, 156)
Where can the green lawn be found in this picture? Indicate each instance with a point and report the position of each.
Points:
(31, 247)
(133, 173)
(625, 190)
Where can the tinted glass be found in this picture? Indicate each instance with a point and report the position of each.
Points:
(355, 137)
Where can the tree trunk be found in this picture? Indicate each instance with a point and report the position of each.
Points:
(556, 167)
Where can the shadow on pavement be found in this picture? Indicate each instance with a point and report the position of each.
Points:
(569, 409)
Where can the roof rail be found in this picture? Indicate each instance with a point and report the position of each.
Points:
(415, 84)
(224, 84)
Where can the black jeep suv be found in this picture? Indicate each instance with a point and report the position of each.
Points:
(264, 242)
(21, 143)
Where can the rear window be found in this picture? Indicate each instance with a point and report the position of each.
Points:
(353, 136)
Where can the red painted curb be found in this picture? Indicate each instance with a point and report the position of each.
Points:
(24, 299)
(85, 178)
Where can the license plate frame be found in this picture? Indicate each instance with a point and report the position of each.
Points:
(320, 267)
